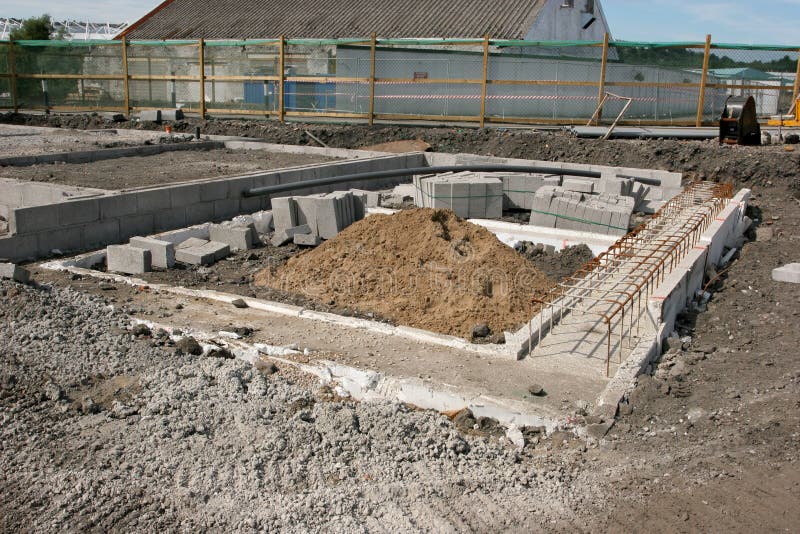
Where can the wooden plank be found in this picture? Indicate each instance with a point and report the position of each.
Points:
(661, 85)
(162, 77)
(70, 76)
(221, 78)
(281, 60)
(543, 82)
(796, 87)
(372, 54)
(326, 79)
(581, 122)
(433, 118)
(701, 101)
(201, 52)
(428, 81)
(485, 77)
(125, 80)
(223, 111)
(337, 114)
(601, 84)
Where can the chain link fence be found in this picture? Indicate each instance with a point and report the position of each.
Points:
(470, 80)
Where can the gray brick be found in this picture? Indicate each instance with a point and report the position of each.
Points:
(284, 213)
(171, 114)
(101, 233)
(192, 242)
(131, 225)
(127, 259)
(199, 213)
(184, 195)
(494, 200)
(236, 187)
(250, 204)
(236, 237)
(282, 237)
(33, 219)
(150, 115)
(19, 247)
(169, 219)
(216, 190)
(118, 205)
(14, 272)
(152, 201)
(307, 240)
(162, 253)
(66, 240)
(575, 184)
(205, 254)
(263, 221)
(226, 208)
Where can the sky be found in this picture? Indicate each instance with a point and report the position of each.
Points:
(732, 21)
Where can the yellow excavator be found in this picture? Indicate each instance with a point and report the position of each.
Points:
(791, 120)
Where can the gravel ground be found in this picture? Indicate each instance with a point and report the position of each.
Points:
(185, 442)
(30, 141)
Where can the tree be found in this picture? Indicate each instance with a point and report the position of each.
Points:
(33, 29)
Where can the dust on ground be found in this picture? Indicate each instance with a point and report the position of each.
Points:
(164, 168)
(423, 268)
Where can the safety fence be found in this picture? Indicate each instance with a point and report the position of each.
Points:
(441, 80)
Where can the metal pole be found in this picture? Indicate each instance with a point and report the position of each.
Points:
(13, 65)
(281, 60)
(125, 81)
(601, 85)
(201, 46)
(702, 100)
(372, 53)
(485, 76)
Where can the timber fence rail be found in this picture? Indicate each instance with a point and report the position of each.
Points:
(370, 79)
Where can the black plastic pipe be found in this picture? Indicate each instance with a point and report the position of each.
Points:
(374, 175)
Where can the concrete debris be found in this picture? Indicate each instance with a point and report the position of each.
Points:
(788, 273)
(515, 436)
(128, 259)
(282, 237)
(238, 236)
(195, 251)
(14, 272)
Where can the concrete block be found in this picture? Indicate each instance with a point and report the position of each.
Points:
(150, 115)
(101, 233)
(213, 191)
(226, 208)
(184, 195)
(65, 240)
(328, 217)
(131, 225)
(118, 205)
(282, 237)
(127, 259)
(162, 253)
(199, 213)
(152, 201)
(250, 204)
(575, 184)
(494, 200)
(33, 219)
(192, 242)
(19, 247)
(205, 254)
(476, 203)
(171, 114)
(236, 237)
(307, 240)
(284, 213)
(169, 219)
(788, 273)
(14, 272)
(263, 221)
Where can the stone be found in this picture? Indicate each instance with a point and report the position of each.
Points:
(307, 240)
(481, 330)
(127, 259)
(237, 237)
(162, 253)
(536, 390)
(189, 345)
(140, 330)
(53, 391)
(14, 272)
(788, 273)
(239, 303)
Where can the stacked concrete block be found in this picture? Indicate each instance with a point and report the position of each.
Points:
(325, 214)
(372, 199)
(519, 189)
(128, 259)
(469, 195)
(236, 234)
(195, 251)
(162, 253)
(284, 213)
(578, 185)
(556, 207)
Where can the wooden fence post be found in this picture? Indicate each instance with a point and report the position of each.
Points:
(125, 81)
(485, 78)
(701, 102)
(13, 71)
(601, 84)
(201, 45)
(281, 59)
(372, 53)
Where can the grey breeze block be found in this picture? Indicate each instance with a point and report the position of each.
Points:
(162, 252)
(127, 259)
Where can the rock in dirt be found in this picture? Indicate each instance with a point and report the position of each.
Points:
(536, 390)
(481, 330)
(189, 345)
(239, 303)
(420, 267)
(140, 330)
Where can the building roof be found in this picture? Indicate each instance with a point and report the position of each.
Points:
(741, 73)
(269, 19)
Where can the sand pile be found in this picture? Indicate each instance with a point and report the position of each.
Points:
(423, 268)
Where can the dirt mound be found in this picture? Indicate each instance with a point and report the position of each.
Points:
(559, 264)
(423, 268)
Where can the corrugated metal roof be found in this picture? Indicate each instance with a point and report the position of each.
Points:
(267, 19)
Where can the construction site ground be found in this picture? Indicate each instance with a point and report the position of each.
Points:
(710, 442)
(167, 167)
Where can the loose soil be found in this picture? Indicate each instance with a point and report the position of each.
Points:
(423, 268)
(165, 168)
(559, 264)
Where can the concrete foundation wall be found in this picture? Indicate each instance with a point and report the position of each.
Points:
(89, 156)
(95, 222)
